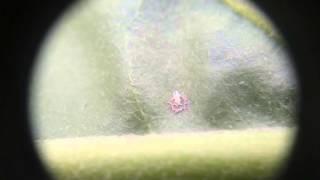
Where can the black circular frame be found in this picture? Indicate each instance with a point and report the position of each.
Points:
(26, 23)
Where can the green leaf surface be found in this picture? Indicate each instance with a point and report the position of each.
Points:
(255, 154)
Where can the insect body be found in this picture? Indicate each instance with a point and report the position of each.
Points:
(178, 102)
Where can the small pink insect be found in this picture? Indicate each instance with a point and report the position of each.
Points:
(178, 102)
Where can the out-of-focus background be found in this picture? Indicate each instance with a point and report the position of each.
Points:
(110, 67)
